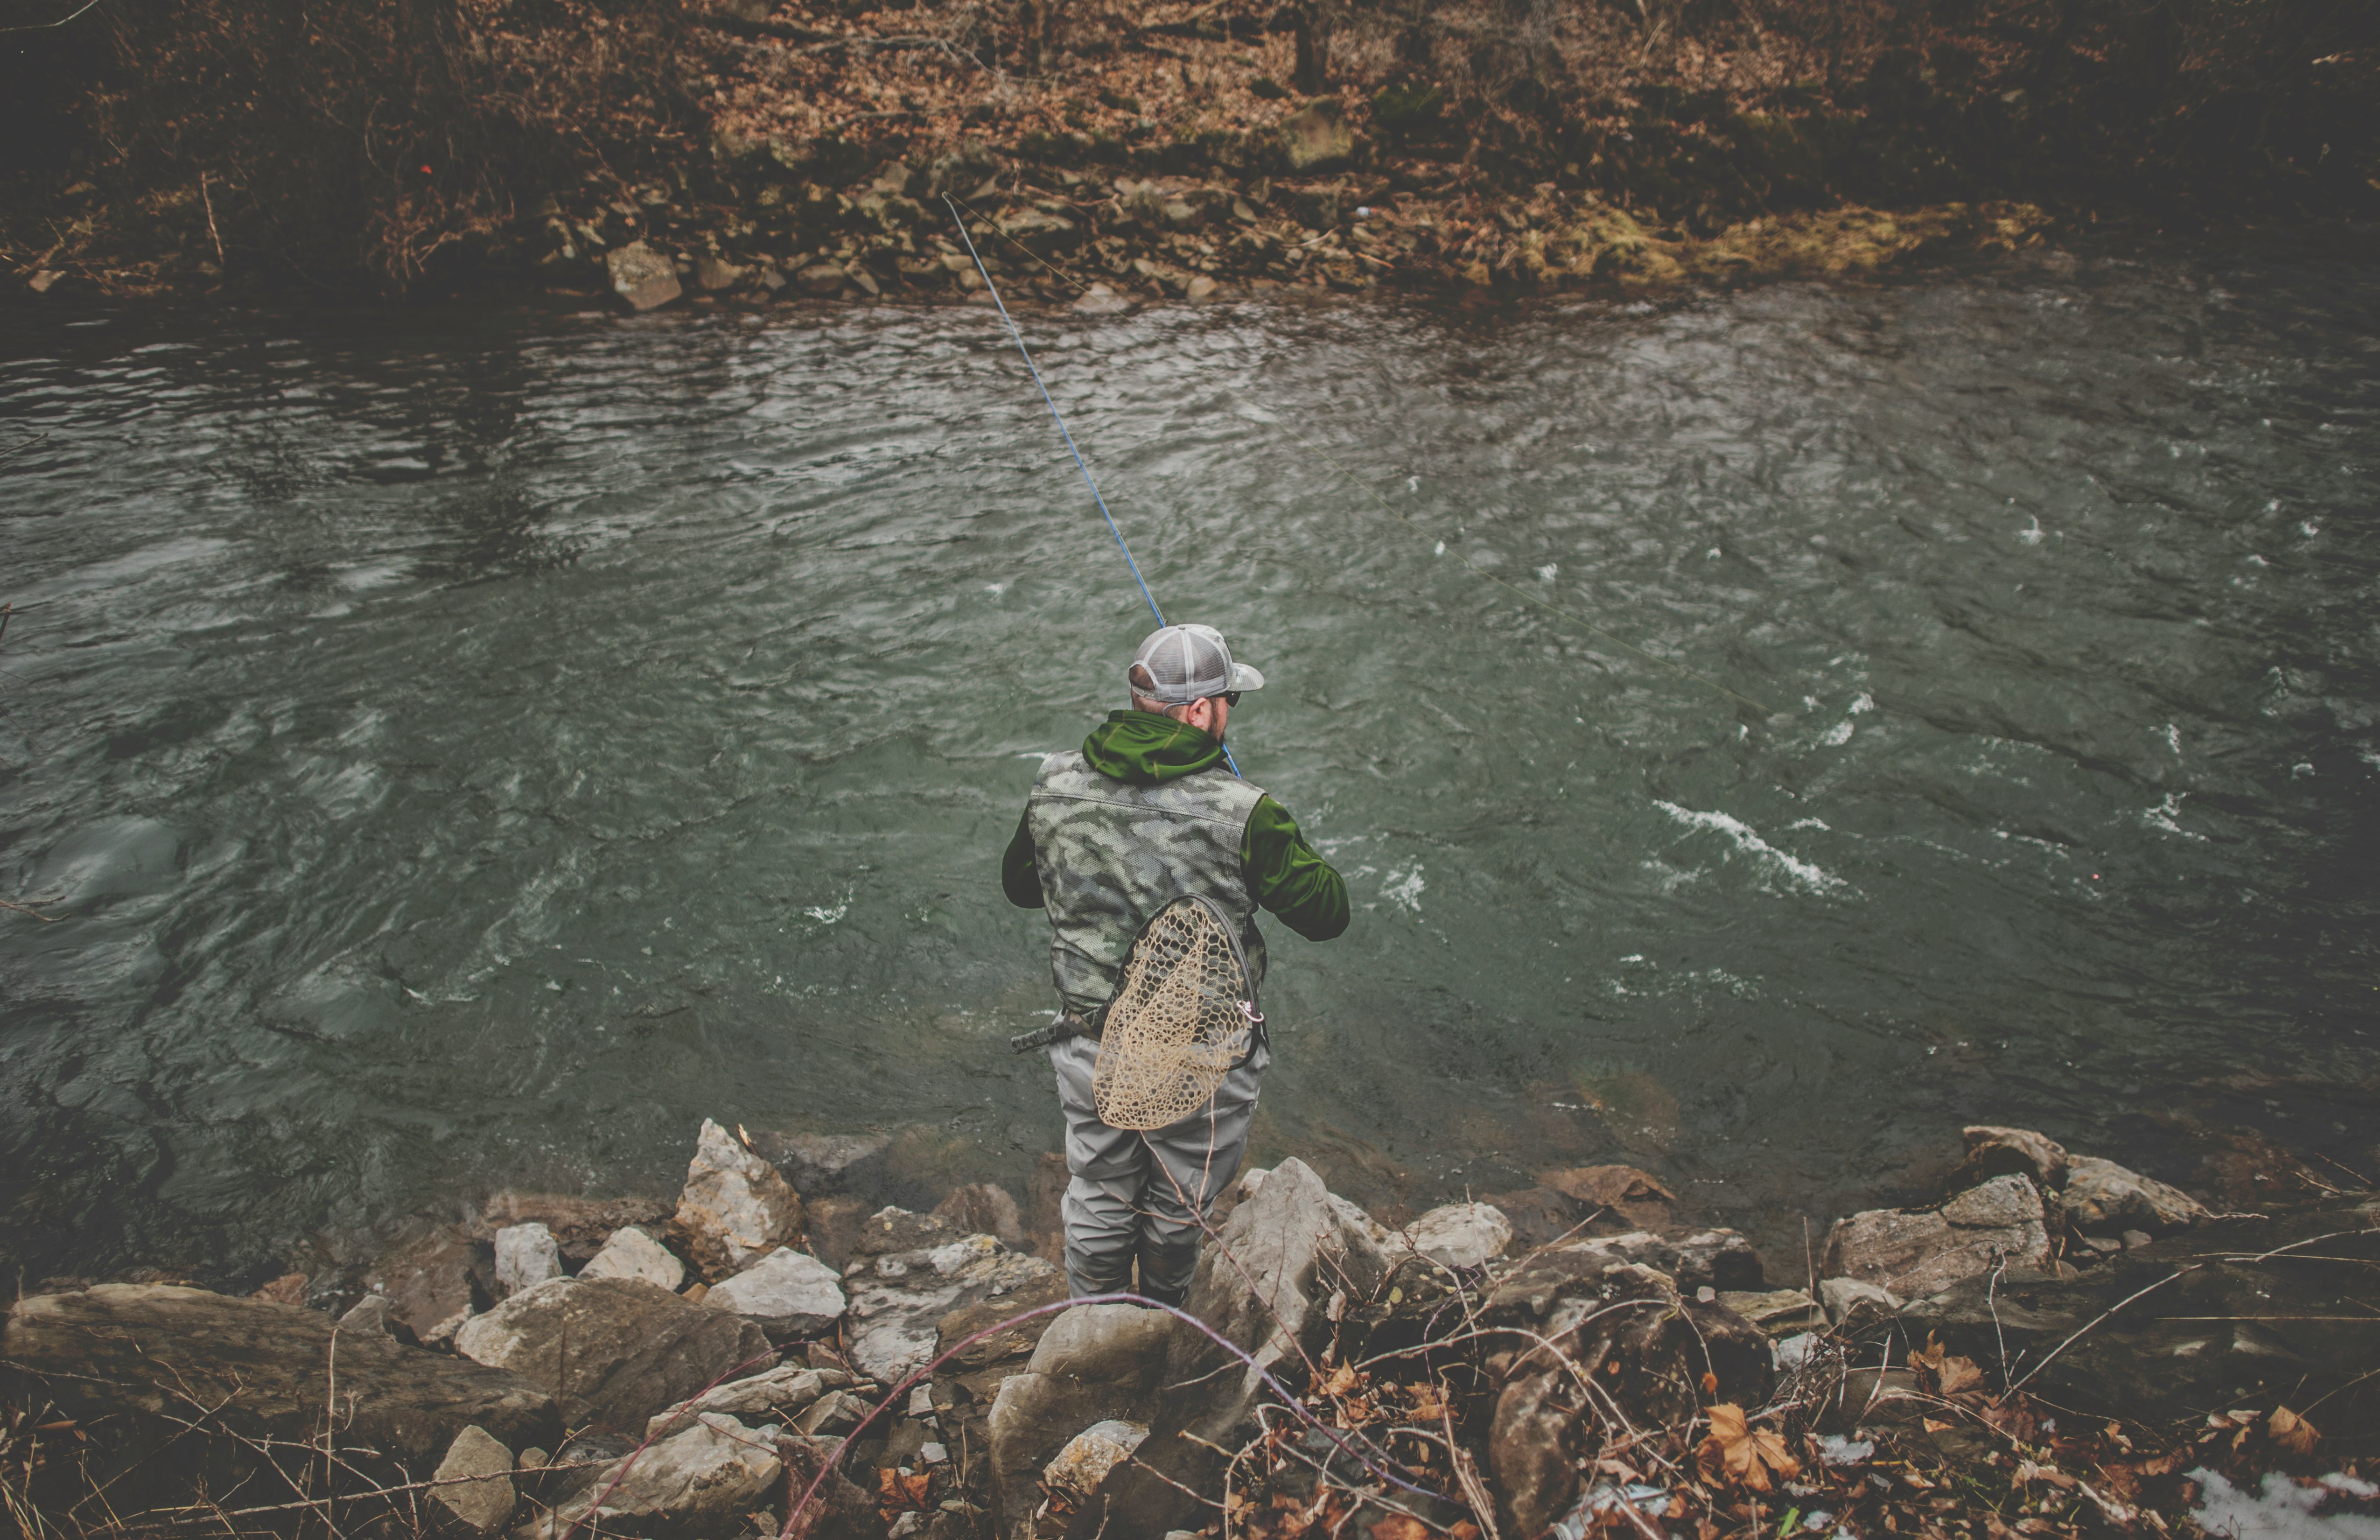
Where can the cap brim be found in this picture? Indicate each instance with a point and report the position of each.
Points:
(1246, 678)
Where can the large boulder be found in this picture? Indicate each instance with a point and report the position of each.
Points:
(735, 1207)
(898, 1298)
(787, 1294)
(177, 1388)
(613, 1351)
(2103, 1198)
(698, 1484)
(1291, 1247)
(1096, 1363)
(1993, 1151)
(641, 275)
(1914, 1252)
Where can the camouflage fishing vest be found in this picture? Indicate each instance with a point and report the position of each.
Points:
(1110, 855)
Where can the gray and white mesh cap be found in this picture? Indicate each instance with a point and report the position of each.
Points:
(1187, 663)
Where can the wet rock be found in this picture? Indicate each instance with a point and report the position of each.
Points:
(787, 1294)
(2104, 1198)
(289, 1289)
(475, 1481)
(898, 1299)
(525, 1256)
(1044, 235)
(1539, 1216)
(432, 1285)
(1201, 287)
(1316, 139)
(613, 1351)
(642, 276)
(1459, 1234)
(776, 1395)
(1095, 1364)
(631, 1253)
(1993, 1152)
(144, 1358)
(1091, 1454)
(734, 1207)
(835, 1225)
(822, 279)
(984, 1209)
(1293, 1249)
(44, 280)
(1720, 1260)
(694, 1485)
(1914, 1252)
(1637, 1197)
(1100, 300)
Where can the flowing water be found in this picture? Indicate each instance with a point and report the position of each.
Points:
(466, 748)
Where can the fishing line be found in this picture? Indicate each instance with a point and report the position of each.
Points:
(1056, 416)
(1273, 418)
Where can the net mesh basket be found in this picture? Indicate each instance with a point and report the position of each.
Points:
(1180, 1019)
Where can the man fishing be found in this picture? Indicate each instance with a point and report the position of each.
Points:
(1142, 815)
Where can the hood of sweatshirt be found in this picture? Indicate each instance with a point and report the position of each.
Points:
(1143, 748)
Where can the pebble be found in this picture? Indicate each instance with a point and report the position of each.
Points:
(933, 1454)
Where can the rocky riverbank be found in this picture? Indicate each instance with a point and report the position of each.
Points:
(766, 151)
(2058, 1346)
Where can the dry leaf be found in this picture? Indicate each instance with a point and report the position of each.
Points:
(1464, 1530)
(1341, 1380)
(1958, 1374)
(1710, 1382)
(1396, 1526)
(2292, 1432)
(1933, 1426)
(1742, 1452)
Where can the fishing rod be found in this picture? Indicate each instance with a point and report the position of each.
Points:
(1275, 419)
(1080, 464)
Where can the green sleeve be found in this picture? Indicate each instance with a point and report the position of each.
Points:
(1289, 877)
(1018, 878)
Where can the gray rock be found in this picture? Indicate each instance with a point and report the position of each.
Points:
(1044, 235)
(776, 1396)
(1841, 1295)
(613, 1351)
(142, 1359)
(696, 1485)
(525, 1256)
(1317, 138)
(823, 279)
(787, 1293)
(581, 1226)
(831, 1415)
(1089, 1455)
(2105, 1199)
(1459, 1234)
(840, 1511)
(1291, 1249)
(432, 1285)
(642, 276)
(630, 1253)
(1774, 1310)
(2135, 1239)
(1915, 1253)
(898, 1299)
(1095, 1364)
(734, 1207)
(1720, 1260)
(475, 1481)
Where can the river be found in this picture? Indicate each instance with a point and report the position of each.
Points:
(462, 747)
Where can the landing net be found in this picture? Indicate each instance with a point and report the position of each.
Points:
(1180, 1019)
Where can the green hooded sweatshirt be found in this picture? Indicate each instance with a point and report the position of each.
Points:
(1287, 876)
